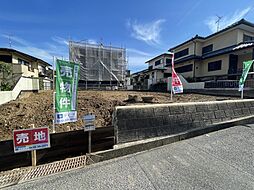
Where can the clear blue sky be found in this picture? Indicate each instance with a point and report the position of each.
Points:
(145, 27)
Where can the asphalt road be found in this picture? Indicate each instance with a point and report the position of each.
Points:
(218, 160)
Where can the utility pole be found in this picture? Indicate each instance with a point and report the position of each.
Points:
(218, 22)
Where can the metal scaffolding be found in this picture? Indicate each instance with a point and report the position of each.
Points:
(100, 65)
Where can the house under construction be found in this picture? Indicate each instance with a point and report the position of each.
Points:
(100, 66)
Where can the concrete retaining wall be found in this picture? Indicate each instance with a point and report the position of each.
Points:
(186, 84)
(140, 122)
(248, 93)
(24, 84)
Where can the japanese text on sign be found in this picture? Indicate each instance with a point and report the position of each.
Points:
(89, 122)
(66, 91)
(31, 139)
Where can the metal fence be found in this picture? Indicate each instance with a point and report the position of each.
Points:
(225, 82)
(228, 84)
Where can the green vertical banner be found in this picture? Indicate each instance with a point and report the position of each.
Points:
(246, 67)
(67, 76)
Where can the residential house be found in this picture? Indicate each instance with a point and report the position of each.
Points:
(159, 68)
(139, 80)
(218, 55)
(158, 71)
(24, 65)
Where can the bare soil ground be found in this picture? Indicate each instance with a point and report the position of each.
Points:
(36, 108)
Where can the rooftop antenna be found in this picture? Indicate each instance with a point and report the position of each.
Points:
(101, 41)
(218, 22)
(9, 39)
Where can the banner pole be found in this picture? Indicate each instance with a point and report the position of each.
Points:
(89, 141)
(172, 67)
(54, 97)
(171, 94)
(33, 154)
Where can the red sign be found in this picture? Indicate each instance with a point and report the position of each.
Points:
(176, 83)
(31, 139)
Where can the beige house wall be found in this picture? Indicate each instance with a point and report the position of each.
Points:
(158, 66)
(186, 74)
(199, 46)
(203, 66)
(23, 70)
(241, 33)
(163, 62)
(223, 40)
(189, 45)
(159, 75)
(18, 68)
(242, 58)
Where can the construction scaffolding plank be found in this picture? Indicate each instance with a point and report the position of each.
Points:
(99, 63)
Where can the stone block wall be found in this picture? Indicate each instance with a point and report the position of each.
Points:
(133, 123)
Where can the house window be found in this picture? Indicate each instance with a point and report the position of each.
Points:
(157, 62)
(6, 58)
(182, 53)
(146, 76)
(168, 61)
(23, 62)
(207, 49)
(42, 70)
(150, 68)
(184, 69)
(247, 38)
(166, 75)
(214, 66)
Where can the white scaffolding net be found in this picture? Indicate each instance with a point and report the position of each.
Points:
(104, 65)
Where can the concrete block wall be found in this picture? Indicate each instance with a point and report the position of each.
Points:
(133, 123)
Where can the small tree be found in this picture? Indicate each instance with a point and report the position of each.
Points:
(6, 70)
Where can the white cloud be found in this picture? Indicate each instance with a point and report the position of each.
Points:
(15, 39)
(92, 41)
(137, 63)
(36, 52)
(147, 32)
(59, 49)
(138, 52)
(137, 59)
(60, 40)
(226, 20)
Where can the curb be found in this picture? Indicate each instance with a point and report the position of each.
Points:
(30, 173)
(143, 145)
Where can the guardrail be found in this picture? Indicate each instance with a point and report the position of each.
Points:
(63, 145)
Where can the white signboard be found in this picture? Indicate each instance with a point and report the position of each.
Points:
(89, 128)
(89, 122)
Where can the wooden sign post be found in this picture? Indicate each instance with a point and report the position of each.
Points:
(33, 154)
(89, 126)
(31, 140)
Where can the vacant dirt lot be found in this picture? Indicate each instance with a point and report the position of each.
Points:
(36, 108)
